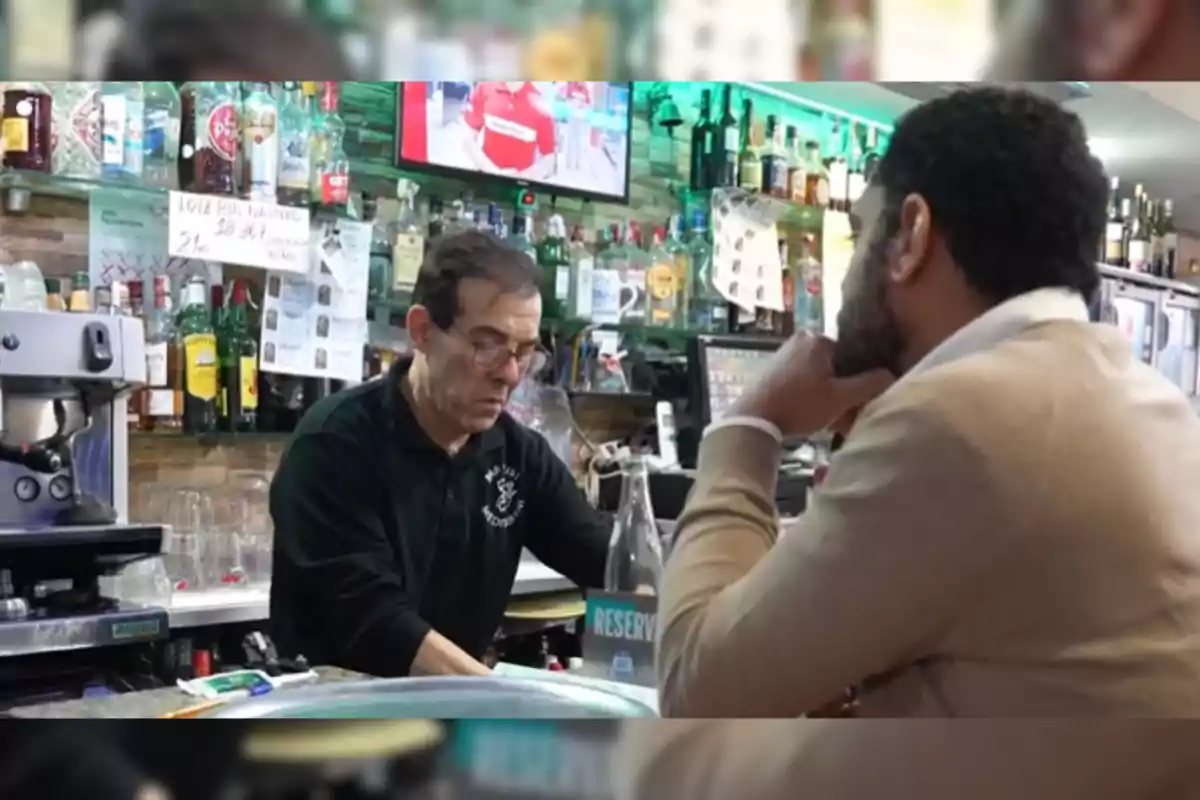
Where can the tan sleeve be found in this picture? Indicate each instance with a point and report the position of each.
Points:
(761, 759)
(867, 580)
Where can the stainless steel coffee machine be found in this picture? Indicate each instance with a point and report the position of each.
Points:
(64, 383)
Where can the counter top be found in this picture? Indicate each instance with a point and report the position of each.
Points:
(147, 704)
(233, 606)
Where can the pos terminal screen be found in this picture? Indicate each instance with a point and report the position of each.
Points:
(728, 372)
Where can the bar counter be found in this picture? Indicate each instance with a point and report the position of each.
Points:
(148, 704)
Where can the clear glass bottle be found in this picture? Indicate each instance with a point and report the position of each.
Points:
(331, 167)
(662, 283)
(807, 277)
(556, 267)
(160, 142)
(608, 280)
(709, 312)
(260, 143)
(408, 241)
(295, 130)
(634, 305)
(519, 237)
(681, 256)
(579, 296)
(379, 271)
(635, 555)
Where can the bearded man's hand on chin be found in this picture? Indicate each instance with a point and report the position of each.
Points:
(799, 393)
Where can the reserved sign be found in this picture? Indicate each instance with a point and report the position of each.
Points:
(619, 635)
(231, 231)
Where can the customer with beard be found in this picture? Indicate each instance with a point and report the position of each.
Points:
(1009, 529)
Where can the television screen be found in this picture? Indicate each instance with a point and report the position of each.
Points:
(568, 137)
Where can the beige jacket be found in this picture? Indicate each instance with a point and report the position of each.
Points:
(1012, 530)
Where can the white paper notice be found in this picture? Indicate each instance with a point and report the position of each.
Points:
(315, 324)
(747, 270)
(233, 231)
(127, 240)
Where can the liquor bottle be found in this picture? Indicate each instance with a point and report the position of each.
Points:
(495, 221)
(122, 125)
(1170, 241)
(582, 270)
(775, 161)
(27, 139)
(662, 283)
(702, 141)
(162, 405)
(871, 155)
(295, 133)
(408, 241)
(807, 275)
(795, 165)
(379, 261)
(519, 236)
(160, 159)
(635, 556)
(838, 169)
(1126, 227)
(856, 179)
(723, 166)
(80, 301)
(1154, 225)
(1139, 238)
(218, 143)
(816, 176)
(635, 302)
(331, 167)
(1114, 227)
(200, 366)
(681, 257)
(608, 280)
(708, 312)
(260, 143)
(187, 137)
(556, 267)
(238, 354)
(750, 172)
(437, 220)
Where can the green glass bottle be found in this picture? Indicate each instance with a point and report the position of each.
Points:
(238, 352)
(199, 343)
(553, 258)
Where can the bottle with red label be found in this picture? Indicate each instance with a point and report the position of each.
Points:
(217, 138)
(331, 168)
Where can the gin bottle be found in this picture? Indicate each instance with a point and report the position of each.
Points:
(635, 556)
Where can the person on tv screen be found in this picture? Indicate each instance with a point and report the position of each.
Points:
(513, 127)
(578, 97)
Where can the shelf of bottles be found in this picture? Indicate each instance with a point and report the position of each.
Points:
(72, 139)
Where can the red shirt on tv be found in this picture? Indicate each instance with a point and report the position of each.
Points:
(516, 128)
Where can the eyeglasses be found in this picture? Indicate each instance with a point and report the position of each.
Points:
(491, 355)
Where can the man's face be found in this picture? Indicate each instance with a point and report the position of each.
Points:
(475, 364)
(869, 333)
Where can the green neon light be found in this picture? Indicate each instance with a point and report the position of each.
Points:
(812, 105)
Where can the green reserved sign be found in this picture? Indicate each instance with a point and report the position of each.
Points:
(618, 637)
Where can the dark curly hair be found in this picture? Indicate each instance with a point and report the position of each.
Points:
(457, 257)
(1013, 188)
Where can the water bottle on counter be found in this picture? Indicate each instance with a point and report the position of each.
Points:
(635, 556)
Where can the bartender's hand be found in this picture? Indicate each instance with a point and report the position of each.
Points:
(799, 393)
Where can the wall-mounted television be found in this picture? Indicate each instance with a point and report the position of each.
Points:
(569, 138)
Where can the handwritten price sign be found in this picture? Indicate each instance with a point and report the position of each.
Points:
(232, 231)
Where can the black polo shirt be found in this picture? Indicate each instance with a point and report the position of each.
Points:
(381, 535)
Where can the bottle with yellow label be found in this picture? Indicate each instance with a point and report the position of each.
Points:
(662, 284)
(238, 351)
(201, 384)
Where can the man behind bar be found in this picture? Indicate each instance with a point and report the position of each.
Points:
(401, 506)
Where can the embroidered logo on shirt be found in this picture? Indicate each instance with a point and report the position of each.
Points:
(504, 507)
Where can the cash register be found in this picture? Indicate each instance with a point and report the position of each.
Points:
(64, 384)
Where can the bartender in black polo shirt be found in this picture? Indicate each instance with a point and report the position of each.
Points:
(401, 505)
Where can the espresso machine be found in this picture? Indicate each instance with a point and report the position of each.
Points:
(64, 383)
